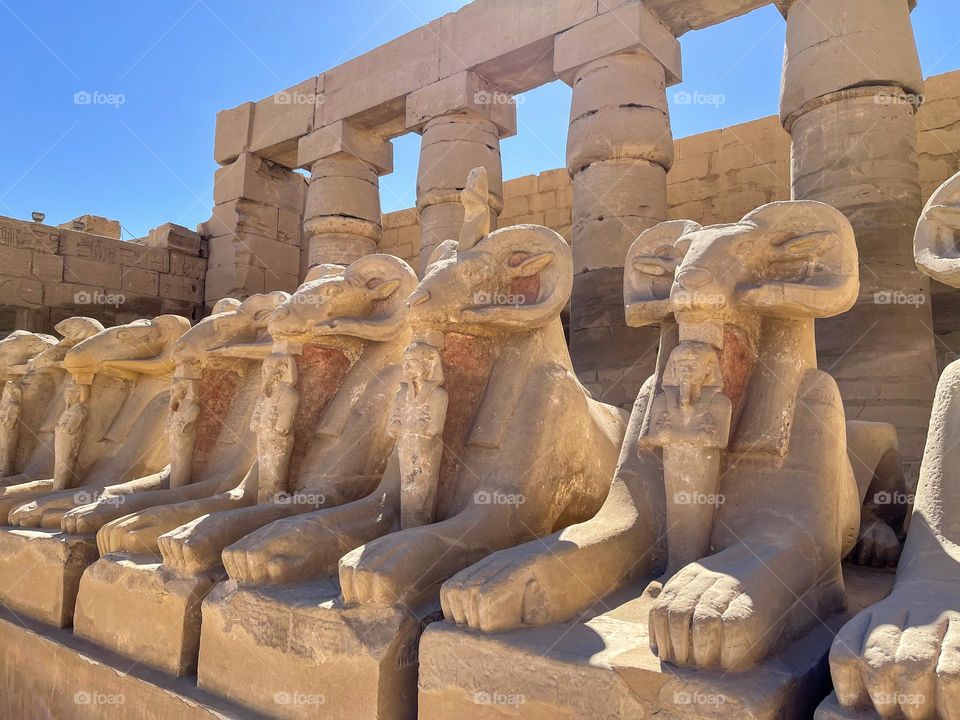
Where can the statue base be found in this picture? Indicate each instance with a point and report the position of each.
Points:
(50, 673)
(135, 607)
(603, 668)
(830, 710)
(297, 653)
(40, 572)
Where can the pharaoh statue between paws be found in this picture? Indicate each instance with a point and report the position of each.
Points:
(744, 296)
(901, 657)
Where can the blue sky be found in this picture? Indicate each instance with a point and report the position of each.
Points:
(176, 63)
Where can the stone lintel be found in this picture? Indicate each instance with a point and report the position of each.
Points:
(784, 5)
(628, 27)
(232, 136)
(347, 138)
(465, 91)
(681, 16)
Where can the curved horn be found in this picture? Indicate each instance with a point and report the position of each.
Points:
(261, 306)
(936, 243)
(814, 271)
(390, 280)
(322, 271)
(649, 268)
(76, 329)
(530, 258)
(225, 305)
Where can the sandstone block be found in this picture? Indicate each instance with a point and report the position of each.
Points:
(238, 281)
(553, 180)
(463, 92)
(279, 121)
(32, 236)
(247, 249)
(67, 294)
(146, 282)
(628, 27)
(16, 261)
(181, 288)
(22, 292)
(346, 138)
(452, 146)
(95, 225)
(289, 226)
(254, 178)
(186, 266)
(243, 215)
(108, 251)
(48, 268)
(232, 135)
(175, 238)
(91, 272)
(400, 218)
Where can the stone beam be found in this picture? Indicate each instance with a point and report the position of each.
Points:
(681, 16)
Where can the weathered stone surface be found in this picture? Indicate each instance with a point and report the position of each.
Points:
(232, 136)
(463, 92)
(95, 225)
(32, 236)
(175, 238)
(243, 215)
(279, 121)
(346, 138)
(260, 180)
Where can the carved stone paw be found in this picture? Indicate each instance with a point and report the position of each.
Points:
(901, 656)
(372, 574)
(878, 545)
(281, 552)
(728, 610)
(136, 533)
(506, 590)
(89, 518)
(188, 551)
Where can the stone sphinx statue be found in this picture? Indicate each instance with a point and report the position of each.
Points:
(319, 429)
(901, 656)
(523, 450)
(110, 431)
(32, 377)
(215, 380)
(733, 498)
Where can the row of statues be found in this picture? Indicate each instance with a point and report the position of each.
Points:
(377, 480)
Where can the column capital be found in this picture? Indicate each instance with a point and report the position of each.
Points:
(465, 92)
(346, 138)
(629, 27)
(784, 5)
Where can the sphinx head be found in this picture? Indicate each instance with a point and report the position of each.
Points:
(232, 322)
(20, 346)
(515, 279)
(788, 259)
(138, 340)
(365, 300)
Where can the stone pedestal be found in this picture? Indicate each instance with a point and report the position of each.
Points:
(51, 673)
(296, 653)
(342, 220)
(40, 572)
(138, 609)
(604, 668)
(462, 120)
(830, 710)
(619, 150)
(851, 86)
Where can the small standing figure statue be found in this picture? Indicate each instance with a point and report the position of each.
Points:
(182, 430)
(690, 419)
(9, 427)
(420, 411)
(67, 436)
(272, 421)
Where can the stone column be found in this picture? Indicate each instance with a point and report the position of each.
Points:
(461, 119)
(619, 150)
(342, 220)
(851, 87)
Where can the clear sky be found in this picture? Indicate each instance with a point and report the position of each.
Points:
(174, 64)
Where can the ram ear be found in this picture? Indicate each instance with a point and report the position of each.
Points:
(225, 305)
(321, 271)
(528, 266)
(814, 247)
(936, 243)
(382, 289)
(648, 271)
